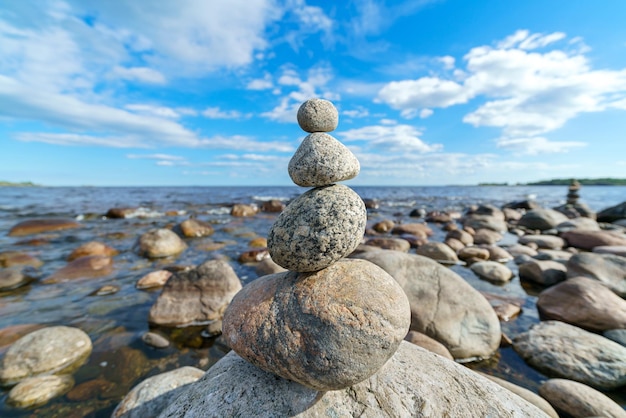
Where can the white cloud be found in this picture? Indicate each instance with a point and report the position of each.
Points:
(425, 113)
(217, 113)
(141, 74)
(166, 157)
(264, 83)
(159, 111)
(447, 61)
(537, 145)
(359, 112)
(525, 93)
(393, 138)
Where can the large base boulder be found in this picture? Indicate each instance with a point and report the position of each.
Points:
(413, 383)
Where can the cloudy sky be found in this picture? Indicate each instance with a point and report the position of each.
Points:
(194, 92)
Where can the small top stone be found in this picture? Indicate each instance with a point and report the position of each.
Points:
(318, 115)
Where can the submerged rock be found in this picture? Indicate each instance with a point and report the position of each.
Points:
(37, 226)
(37, 391)
(159, 243)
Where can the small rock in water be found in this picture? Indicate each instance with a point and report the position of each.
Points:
(318, 115)
(37, 391)
(45, 351)
(92, 248)
(87, 267)
(196, 228)
(108, 289)
(241, 211)
(155, 340)
(14, 277)
(318, 228)
(16, 258)
(37, 226)
(155, 279)
(159, 243)
(492, 271)
(439, 252)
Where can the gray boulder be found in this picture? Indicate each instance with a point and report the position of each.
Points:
(413, 383)
(443, 305)
(159, 243)
(562, 350)
(578, 400)
(541, 219)
(607, 268)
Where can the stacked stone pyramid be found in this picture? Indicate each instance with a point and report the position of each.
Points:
(329, 322)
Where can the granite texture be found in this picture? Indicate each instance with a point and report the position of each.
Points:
(318, 115)
(317, 228)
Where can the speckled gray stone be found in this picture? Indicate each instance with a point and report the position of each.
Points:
(318, 115)
(321, 160)
(317, 228)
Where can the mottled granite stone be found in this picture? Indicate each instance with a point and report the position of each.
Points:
(321, 160)
(318, 228)
(318, 115)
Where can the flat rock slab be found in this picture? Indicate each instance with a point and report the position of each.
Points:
(326, 330)
(588, 240)
(46, 351)
(550, 242)
(318, 228)
(443, 305)
(88, 267)
(562, 350)
(578, 400)
(38, 226)
(197, 296)
(585, 303)
(155, 393)
(413, 383)
(321, 160)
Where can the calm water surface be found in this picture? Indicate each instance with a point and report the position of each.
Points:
(116, 322)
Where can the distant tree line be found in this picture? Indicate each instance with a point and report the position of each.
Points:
(585, 182)
(20, 184)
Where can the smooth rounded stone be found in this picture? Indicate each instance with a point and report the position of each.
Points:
(487, 210)
(107, 289)
(258, 242)
(413, 383)
(384, 226)
(608, 268)
(485, 236)
(554, 255)
(581, 223)
(155, 393)
(506, 311)
(465, 237)
(478, 221)
(578, 400)
(241, 210)
(443, 305)
(583, 302)
(267, 266)
(153, 279)
(492, 271)
(588, 240)
(541, 219)
(561, 350)
(473, 253)
(194, 228)
(525, 394)
(317, 228)
(611, 249)
(544, 241)
(196, 296)
(272, 206)
(511, 215)
(497, 253)
(121, 213)
(159, 243)
(38, 226)
(527, 204)
(617, 335)
(428, 343)
(318, 115)
(397, 244)
(12, 333)
(326, 330)
(87, 267)
(456, 245)
(518, 249)
(543, 272)
(439, 252)
(37, 391)
(45, 351)
(419, 230)
(17, 258)
(253, 256)
(92, 248)
(613, 213)
(321, 160)
(14, 277)
(155, 340)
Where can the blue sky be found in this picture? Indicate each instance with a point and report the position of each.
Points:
(193, 92)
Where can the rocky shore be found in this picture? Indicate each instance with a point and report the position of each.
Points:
(515, 310)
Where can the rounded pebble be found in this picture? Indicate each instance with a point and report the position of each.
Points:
(318, 115)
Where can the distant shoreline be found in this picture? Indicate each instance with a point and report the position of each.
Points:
(20, 184)
(566, 182)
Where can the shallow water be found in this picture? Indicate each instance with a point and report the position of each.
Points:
(116, 322)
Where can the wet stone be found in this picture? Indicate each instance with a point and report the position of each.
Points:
(37, 391)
